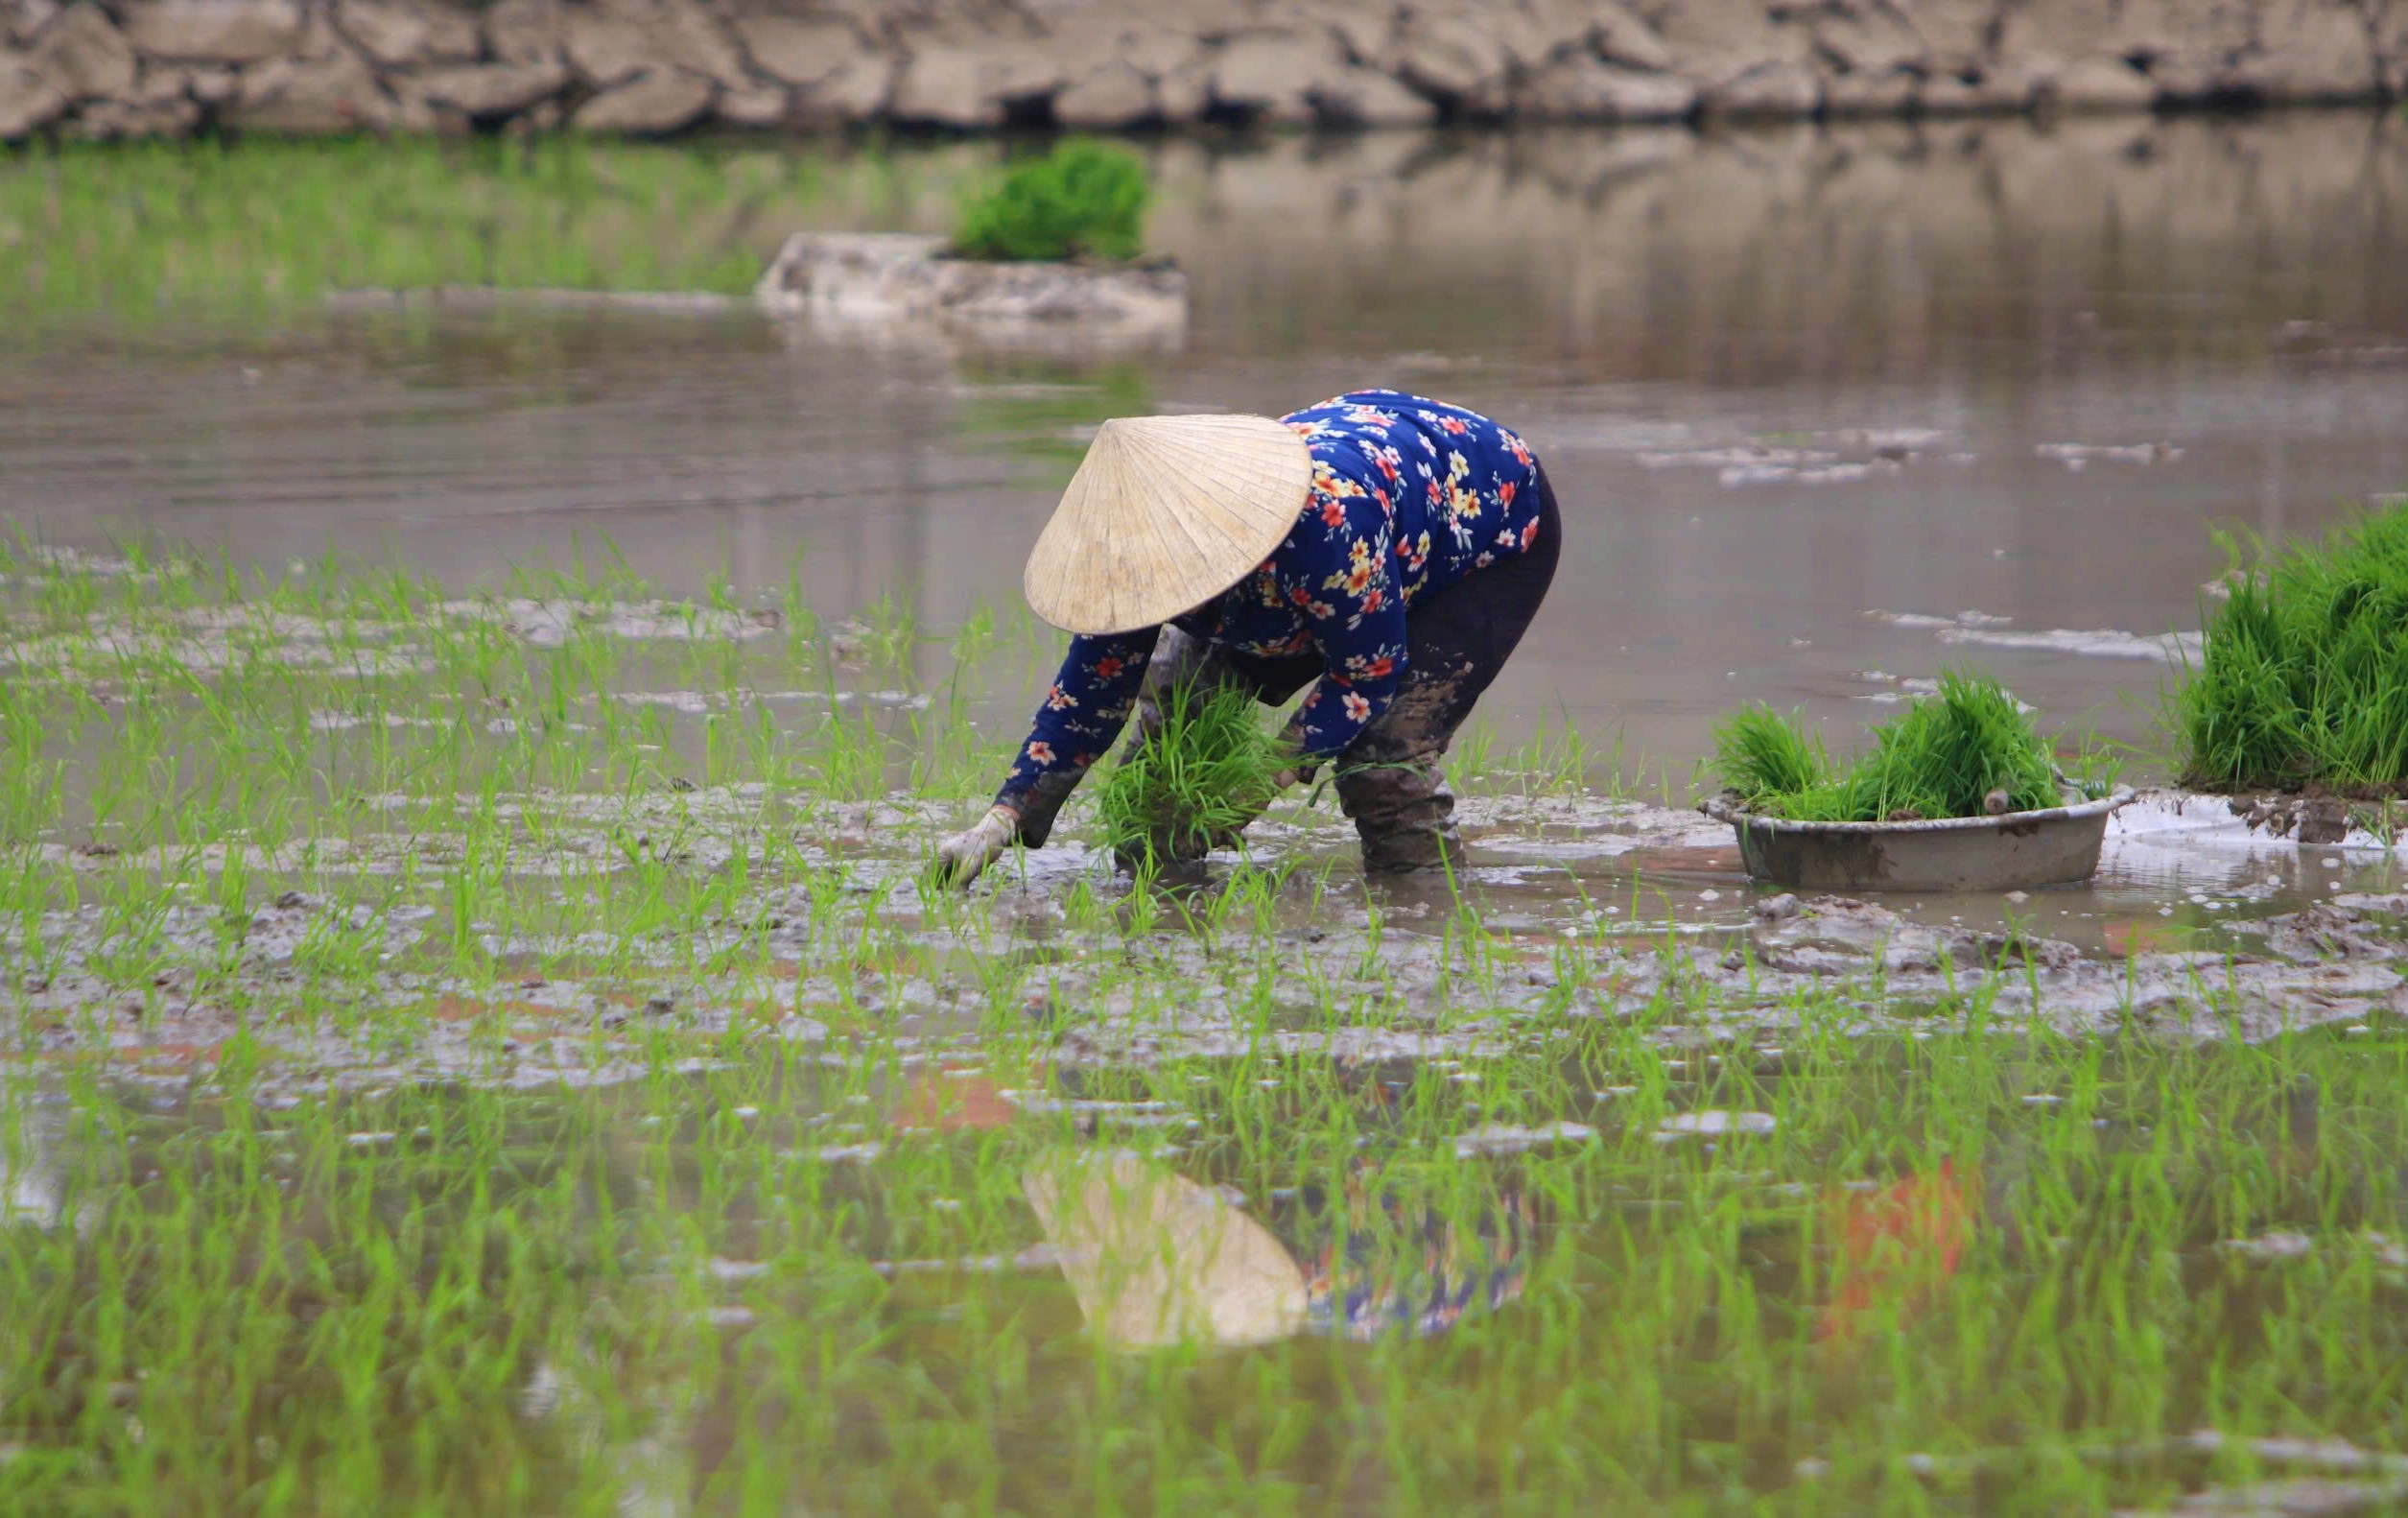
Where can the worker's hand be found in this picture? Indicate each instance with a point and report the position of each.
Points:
(963, 857)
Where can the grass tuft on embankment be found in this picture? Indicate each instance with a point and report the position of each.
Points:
(1084, 200)
(2302, 678)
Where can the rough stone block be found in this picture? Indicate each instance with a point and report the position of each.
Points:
(1949, 94)
(1586, 88)
(856, 91)
(797, 50)
(1273, 75)
(523, 30)
(309, 96)
(23, 20)
(28, 99)
(1115, 95)
(1776, 90)
(1366, 32)
(489, 91)
(1954, 33)
(1183, 93)
(1867, 92)
(1365, 96)
(943, 87)
(1626, 39)
(84, 56)
(1871, 42)
(1456, 60)
(2314, 52)
(2096, 82)
(213, 30)
(132, 120)
(400, 33)
(890, 277)
(608, 45)
(649, 104)
(756, 109)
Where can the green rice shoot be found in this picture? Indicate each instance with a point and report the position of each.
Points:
(1946, 756)
(1206, 774)
(2303, 676)
(1761, 754)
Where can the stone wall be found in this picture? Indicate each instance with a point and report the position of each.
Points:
(132, 68)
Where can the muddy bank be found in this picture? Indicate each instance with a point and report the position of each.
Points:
(166, 68)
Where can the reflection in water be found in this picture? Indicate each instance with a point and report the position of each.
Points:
(1156, 1259)
(640, 1301)
(1898, 1246)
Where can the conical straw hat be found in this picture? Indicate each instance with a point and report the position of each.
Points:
(1165, 514)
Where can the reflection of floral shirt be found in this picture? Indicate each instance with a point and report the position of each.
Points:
(1388, 1270)
(1409, 496)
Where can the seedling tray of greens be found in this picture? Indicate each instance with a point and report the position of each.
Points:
(1960, 792)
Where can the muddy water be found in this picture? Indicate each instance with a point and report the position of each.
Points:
(718, 1253)
(1826, 409)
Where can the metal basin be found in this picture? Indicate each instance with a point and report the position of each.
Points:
(2053, 847)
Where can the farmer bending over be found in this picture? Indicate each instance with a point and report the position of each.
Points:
(1394, 546)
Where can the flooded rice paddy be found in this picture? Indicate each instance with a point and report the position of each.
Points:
(481, 1042)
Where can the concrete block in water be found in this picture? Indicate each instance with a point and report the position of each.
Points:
(902, 277)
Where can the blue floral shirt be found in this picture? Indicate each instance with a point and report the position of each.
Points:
(1409, 496)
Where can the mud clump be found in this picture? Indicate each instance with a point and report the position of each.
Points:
(2316, 818)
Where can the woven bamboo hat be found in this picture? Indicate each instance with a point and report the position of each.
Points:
(1165, 514)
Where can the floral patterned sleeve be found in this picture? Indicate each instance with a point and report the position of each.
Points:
(1082, 712)
(1336, 574)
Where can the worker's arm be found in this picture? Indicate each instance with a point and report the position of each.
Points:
(1083, 710)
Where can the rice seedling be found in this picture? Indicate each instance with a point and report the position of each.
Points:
(1969, 750)
(1206, 772)
(1766, 757)
(2302, 676)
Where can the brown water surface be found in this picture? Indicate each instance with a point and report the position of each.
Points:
(1995, 382)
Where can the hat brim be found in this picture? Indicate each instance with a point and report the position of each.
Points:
(1165, 514)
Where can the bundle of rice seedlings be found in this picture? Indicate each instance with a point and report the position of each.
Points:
(1970, 750)
(1206, 774)
(1770, 763)
(2303, 675)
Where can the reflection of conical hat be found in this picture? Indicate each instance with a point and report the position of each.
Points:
(1165, 514)
(1155, 1259)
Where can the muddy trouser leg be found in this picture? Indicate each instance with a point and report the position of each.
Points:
(1456, 639)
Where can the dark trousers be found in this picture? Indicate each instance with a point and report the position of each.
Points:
(1388, 779)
